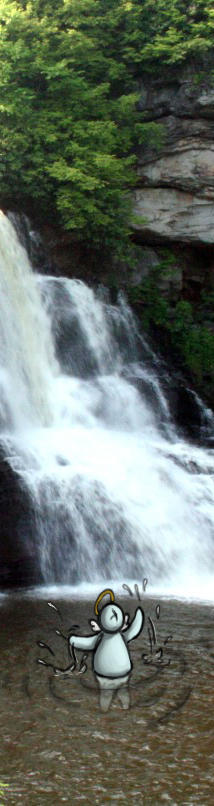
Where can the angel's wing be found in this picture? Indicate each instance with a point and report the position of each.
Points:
(126, 621)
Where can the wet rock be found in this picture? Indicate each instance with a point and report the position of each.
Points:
(19, 562)
(190, 415)
(148, 260)
(190, 465)
(39, 253)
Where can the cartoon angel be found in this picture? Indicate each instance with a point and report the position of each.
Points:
(111, 659)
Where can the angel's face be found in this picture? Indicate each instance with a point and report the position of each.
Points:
(111, 618)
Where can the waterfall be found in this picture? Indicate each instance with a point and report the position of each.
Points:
(85, 424)
(26, 356)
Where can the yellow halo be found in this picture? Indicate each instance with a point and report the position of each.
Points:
(100, 597)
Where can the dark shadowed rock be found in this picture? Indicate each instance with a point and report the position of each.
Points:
(190, 415)
(19, 564)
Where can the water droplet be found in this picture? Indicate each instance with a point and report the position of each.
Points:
(127, 588)
(45, 646)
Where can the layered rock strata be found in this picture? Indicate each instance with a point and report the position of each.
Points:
(175, 195)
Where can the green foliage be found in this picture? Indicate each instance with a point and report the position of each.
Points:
(199, 78)
(154, 133)
(180, 328)
(194, 341)
(2, 792)
(69, 86)
(177, 30)
(65, 132)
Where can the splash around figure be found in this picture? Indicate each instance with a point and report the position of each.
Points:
(111, 660)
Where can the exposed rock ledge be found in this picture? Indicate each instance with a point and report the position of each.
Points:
(172, 215)
(175, 195)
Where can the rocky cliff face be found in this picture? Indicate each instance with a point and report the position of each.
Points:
(174, 196)
(175, 193)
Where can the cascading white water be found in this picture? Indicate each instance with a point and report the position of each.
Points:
(26, 357)
(116, 494)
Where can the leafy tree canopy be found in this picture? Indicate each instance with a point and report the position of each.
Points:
(69, 83)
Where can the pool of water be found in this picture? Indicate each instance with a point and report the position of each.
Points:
(56, 744)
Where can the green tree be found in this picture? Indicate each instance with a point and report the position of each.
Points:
(69, 85)
(66, 138)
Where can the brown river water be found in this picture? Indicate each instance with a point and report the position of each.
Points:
(56, 744)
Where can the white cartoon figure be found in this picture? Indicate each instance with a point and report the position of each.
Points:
(111, 659)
